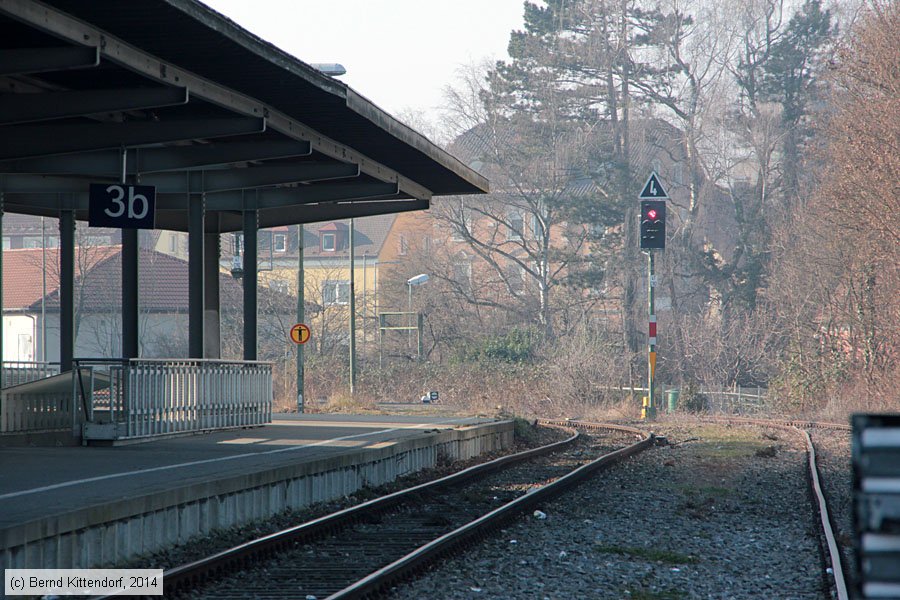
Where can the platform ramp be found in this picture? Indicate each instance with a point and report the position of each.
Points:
(147, 398)
(41, 405)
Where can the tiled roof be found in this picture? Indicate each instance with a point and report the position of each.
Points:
(15, 223)
(369, 236)
(648, 138)
(163, 285)
(22, 269)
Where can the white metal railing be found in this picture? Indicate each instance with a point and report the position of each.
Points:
(150, 397)
(733, 400)
(17, 372)
(24, 411)
(736, 400)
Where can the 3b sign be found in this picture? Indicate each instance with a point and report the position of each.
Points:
(122, 206)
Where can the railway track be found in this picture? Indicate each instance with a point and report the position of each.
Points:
(799, 427)
(360, 550)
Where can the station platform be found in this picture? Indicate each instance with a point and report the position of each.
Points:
(80, 507)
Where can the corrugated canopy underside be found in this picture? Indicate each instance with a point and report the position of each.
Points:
(203, 107)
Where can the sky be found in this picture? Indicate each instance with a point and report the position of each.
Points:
(400, 54)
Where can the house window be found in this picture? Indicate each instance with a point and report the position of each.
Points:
(537, 228)
(336, 293)
(279, 242)
(279, 285)
(329, 242)
(462, 228)
(515, 276)
(462, 274)
(49, 241)
(516, 224)
(26, 347)
(173, 243)
(402, 245)
(96, 240)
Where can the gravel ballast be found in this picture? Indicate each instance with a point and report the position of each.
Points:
(723, 512)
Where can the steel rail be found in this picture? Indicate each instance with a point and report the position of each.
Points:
(834, 554)
(840, 584)
(447, 542)
(189, 575)
(798, 423)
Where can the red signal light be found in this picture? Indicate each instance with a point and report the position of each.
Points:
(651, 214)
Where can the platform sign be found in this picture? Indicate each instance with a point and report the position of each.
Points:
(300, 333)
(122, 206)
(653, 189)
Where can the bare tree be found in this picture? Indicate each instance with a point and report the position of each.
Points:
(837, 282)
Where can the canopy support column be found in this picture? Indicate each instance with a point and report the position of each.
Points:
(250, 283)
(130, 319)
(1, 290)
(130, 262)
(66, 287)
(196, 287)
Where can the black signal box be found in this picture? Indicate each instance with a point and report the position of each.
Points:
(653, 224)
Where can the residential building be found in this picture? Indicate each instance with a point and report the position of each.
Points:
(31, 304)
(326, 266)
(501, 251)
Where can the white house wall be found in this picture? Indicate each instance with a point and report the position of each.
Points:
(99, 336)
(19, 338)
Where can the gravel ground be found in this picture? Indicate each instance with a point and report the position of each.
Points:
(723, 512)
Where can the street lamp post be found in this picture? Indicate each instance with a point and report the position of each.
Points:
(352, 312)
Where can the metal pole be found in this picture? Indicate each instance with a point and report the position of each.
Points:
(300, 314)
(130, 292)
(196, 287)
(651, 357)
(66, 286)
(251, 282)
(1, 289)
(419, 341)
(352, 314)
(376, 315)
(43, 292)
(409, 317)
(365, 313)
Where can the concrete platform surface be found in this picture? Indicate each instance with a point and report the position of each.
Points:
(36, 483)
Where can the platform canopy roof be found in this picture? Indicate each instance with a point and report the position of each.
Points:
(202, 107)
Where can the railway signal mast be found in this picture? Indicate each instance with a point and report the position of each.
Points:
(653, 237)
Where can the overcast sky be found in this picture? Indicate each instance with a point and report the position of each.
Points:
(400, 54)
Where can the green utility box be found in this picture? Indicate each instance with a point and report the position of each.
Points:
(672, 400)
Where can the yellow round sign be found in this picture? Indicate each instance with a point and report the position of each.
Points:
(300, 333)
